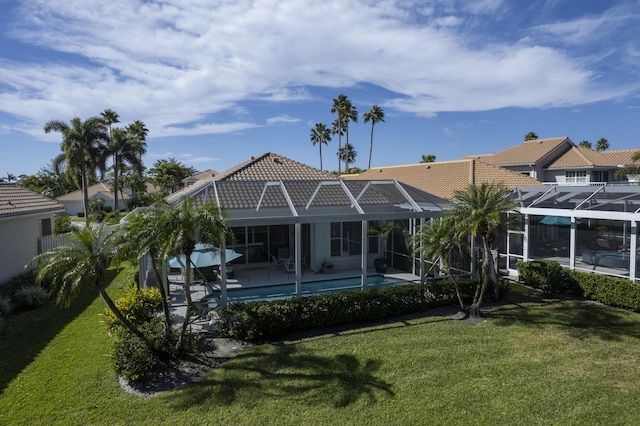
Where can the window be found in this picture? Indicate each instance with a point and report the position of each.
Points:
(576, 176)
(346, 238)
(600, 176)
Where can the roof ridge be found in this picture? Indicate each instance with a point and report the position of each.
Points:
(584, 157)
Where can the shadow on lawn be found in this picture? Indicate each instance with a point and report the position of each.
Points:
(581, 319)
(287, 371)
(27, 333)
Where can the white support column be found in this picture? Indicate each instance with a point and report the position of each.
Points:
(422, 264)
(365, 254)
(633, 251)
(572, 244)
(223, 271)
(525, 240)
(297, 236)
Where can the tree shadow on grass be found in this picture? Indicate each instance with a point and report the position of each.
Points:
(581, 319)
(27, 333)
(287, 371)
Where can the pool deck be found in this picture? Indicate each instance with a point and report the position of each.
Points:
(251, 276)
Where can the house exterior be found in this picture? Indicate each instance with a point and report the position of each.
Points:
(560, 161)
(279, 208)
(206, 175)
(443, 178)
(73, 201)
(25, 216)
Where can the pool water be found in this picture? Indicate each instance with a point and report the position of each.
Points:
(287, 291)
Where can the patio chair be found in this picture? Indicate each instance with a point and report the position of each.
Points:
(277, 262)
(290, 265)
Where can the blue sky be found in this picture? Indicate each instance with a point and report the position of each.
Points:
(217, 82)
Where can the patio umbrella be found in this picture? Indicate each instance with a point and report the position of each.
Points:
(556, 220)
(203, 256)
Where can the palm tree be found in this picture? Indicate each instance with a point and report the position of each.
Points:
(82, 261)
(338, 129)
(83, 144)
(168, 174)
(320, 135)
(185, 226)
(143, 234)
(530, 136)
(375, 115)
(585, 144)
(127, 146)
(348, 155)
(482, 210)
(428, 158)
(602, 144)
(435, 241)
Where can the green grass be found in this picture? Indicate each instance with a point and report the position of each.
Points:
(531, 362)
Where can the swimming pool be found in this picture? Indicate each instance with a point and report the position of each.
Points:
(287, 291)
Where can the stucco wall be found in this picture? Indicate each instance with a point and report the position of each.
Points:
(18, 244)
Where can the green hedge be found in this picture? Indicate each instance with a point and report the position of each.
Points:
(609, 290)
(550, 277)
(257, 321)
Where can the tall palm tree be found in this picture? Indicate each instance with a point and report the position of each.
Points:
(127, 147)
(348, 155)
(375, 115)
(185, 226)
(531, 136)
(337, 128)
(428, 158)
(320, 135)
(585, 144)
(482, 210)
(435, 241)
(83, 261)
(602, 144)
(83, 144)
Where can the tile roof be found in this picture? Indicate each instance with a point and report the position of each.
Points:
(579, 156)
(16, 201)
(270, 166)
(92, 190)
(208, 174)
(443, 178)
(529, 152)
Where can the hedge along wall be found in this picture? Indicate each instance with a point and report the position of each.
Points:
(257, 321)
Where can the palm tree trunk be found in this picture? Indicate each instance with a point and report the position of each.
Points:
(190, 308)
(320, 155)
(370, 146)
(163, 293)
(474, 309)
(85, 192)
(116, 168)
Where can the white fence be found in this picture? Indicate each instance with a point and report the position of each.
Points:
(49, 242)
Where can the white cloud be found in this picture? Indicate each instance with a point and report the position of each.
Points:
(282, 119)
(177, 64)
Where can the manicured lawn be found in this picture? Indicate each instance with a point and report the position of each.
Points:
(561, 362)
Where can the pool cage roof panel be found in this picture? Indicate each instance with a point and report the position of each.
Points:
(602, 198)
(315, 198)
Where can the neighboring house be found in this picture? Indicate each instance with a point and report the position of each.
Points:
(279, 208)
(443, 178)
(25, 216)
(206, 176)
(560, 161)
(73, 201)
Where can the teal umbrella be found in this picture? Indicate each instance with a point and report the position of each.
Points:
(203, 256)
(556, 220)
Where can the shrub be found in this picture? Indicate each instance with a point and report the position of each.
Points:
(31, 296)
(609, 290)
(256, 321)
(137, 305)
(63, 224)
(132, 358)
(6, 305)
(547, 275)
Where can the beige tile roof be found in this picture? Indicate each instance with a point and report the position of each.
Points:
(619, 157)
(98, 188)
(208, 174)
(585, 157)
(270, 166)
(16, 201)
(443, 178)
(529, 152)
